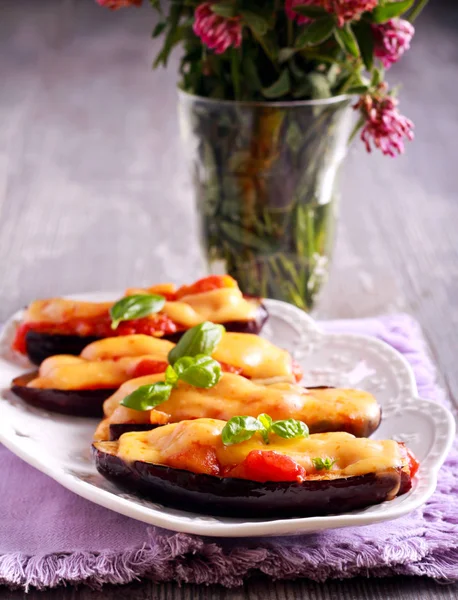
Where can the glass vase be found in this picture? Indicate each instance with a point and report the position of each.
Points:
(265, 179)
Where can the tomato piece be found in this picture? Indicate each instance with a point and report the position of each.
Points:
(267, 465)
(413, 462)
(207, 284)
(168, 290)
(230, 368)
(19, 343)
(297, 371)
(410, 459)
(156, 325)
(149, 367)
(197, 459)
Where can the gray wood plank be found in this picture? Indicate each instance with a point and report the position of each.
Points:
(396, 588)
(94, 194)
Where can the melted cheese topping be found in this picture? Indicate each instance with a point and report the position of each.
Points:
(353, 456)
(128, 345)
(61, 310)
(220, 306)
(160, 288)
(59, 372)
(234, 395)
(257, 357)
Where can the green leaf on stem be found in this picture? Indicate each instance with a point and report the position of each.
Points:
(223, 9)
(358, 89)
(347, 41)
(243, 237)
(377, 77)
(316, 32)
(160, 27)
(173, 37)
(319, 86)
(313, 12)
(285, 54)
(156, 4)
(391, 10)
(250, 72)
(279, 88)
(235, 73)
(365, 38)
(135, 307)
(258, 24)
(147, 397)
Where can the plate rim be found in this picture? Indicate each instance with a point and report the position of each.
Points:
(232, 528)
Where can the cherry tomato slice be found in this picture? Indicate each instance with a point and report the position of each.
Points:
(267, 465)
(413, 462)
(197, 459)
(149, 367)
(207, 284)
(297, 371)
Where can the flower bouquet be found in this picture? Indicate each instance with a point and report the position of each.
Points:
(266, 96)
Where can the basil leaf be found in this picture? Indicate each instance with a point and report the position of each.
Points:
(322, 463)
(135, 307)
(170, 376)
(266, 422)
(201, 339)
(147, 397)
(290, 428)
(239, 429)
(200, 371)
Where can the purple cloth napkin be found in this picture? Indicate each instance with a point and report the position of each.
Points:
(49, 536)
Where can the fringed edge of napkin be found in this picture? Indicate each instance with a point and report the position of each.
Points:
(190, 559)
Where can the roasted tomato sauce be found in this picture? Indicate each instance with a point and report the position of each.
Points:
(154, 325)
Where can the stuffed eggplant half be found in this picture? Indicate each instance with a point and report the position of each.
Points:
(210, 466)
(323, 409)
(79, 385)
(63, 326)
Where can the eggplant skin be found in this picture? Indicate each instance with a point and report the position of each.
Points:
(254, 326)
(118, 429)
(232, 497)
(41, 345)
(78, 403)
(358, 429)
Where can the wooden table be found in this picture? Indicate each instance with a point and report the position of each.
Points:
(92, 185)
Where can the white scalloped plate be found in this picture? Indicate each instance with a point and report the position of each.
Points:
(60, 446)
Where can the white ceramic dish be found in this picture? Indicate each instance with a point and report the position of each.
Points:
(60, 446)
